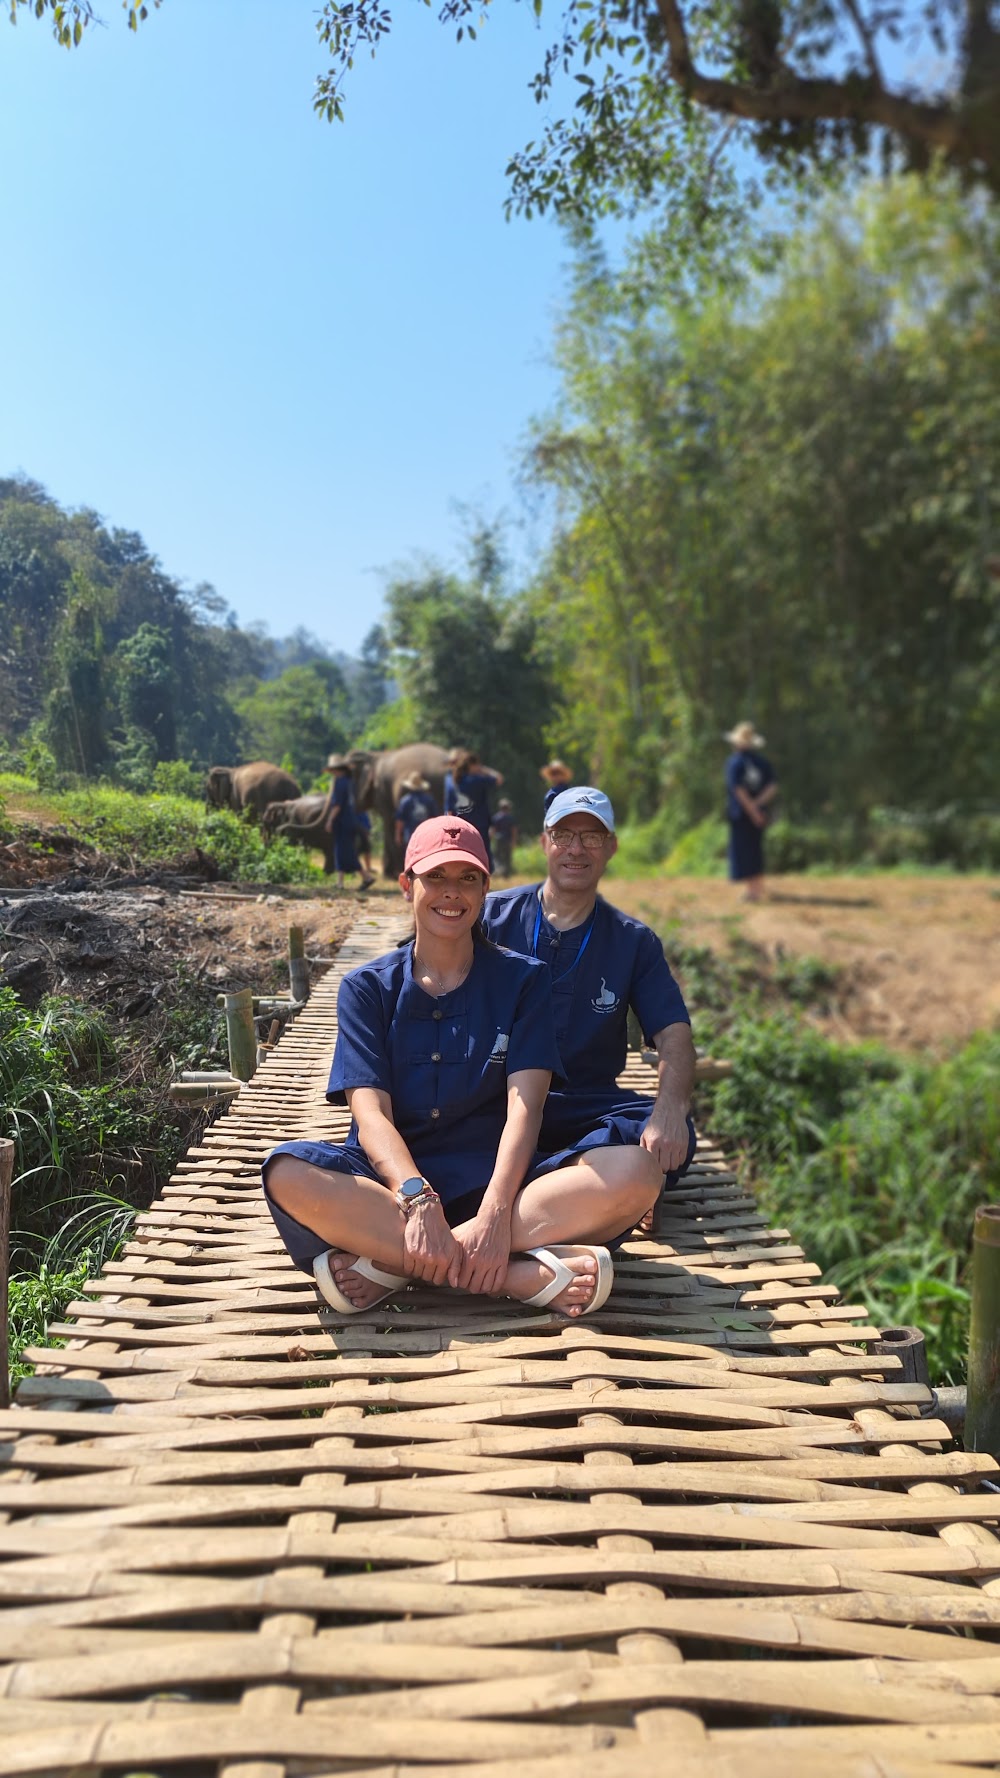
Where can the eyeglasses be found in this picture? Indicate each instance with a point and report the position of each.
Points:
(562, 838)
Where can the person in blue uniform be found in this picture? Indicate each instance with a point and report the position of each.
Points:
(363, 841)
(415, 805)
(751, 787)
(557, 777)
(339, 817)
(469, 794)
(602, 962)
(444, 1054)
(503, 832)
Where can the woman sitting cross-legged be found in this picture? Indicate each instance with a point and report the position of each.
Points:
(444, 1054)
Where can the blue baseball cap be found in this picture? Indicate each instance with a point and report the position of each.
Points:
(581, 799)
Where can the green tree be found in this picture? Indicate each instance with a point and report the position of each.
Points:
(671, 94)
(474, 672)
(75, 714)
(786, 506)
(299, 717)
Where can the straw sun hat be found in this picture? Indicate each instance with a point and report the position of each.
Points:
(744, 735)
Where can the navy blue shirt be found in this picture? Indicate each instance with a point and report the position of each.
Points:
(745, 771)
(444, 1062)
(342, 797)
(472, 799)
(622, 965)
(414, 807)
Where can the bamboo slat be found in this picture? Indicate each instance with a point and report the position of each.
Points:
(452, 1538)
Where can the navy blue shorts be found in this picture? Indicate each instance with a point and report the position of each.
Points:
(304, 1245)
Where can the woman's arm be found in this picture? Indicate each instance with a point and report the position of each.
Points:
(748, 805)
(430, 1251)
(485, 1242)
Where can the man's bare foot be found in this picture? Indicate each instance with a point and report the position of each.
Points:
(645, 1223)
(361, 1292)
(526, 1275)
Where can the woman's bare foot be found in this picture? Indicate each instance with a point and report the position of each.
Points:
(526, 1275)
(360, 1292)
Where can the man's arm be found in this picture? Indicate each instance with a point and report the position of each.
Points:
(768, 794)
(666, 1134)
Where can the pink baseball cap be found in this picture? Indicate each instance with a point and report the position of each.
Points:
(445, 839)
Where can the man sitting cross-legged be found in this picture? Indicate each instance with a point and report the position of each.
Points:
(601, 962)
(445, 1049)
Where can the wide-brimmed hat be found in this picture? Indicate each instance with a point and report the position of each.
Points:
(582, 799)
(557, 769)
(744, 735)
(416, 781)
(337, 763)
(445, 839)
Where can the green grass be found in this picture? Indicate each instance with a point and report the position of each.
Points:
(876, 1162)
(161, 829)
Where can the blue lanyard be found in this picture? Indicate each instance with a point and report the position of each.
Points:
(556, 979)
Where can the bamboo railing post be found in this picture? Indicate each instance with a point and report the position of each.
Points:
(298, 968)
(6, 1180)
(241, 1033)
(982, 1418)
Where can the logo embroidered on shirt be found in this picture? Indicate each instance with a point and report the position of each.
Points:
(499, 1050)
(606, 1000)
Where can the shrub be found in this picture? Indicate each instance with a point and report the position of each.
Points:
(74, 1131)
(701, 852)
(177, 777)
(878, 1161)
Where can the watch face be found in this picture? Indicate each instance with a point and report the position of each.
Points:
(411, 1188)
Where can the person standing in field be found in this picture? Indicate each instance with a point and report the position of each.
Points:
(415, 805)
(503, 831)
(557, 776)
(339, 819)
(470, 793)
(751, 787)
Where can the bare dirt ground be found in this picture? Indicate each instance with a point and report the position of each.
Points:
(918, 957)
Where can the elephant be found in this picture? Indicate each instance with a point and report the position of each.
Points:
(378, 785)
(299, 822)
(249, 787)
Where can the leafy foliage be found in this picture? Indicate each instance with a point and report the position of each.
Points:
(883, 1160)
(786, 506)
(472, 667)
(72, 1121)
(675, 99)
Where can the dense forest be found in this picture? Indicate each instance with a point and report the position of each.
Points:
(773, 497)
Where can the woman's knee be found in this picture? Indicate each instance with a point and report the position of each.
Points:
(289, 1180)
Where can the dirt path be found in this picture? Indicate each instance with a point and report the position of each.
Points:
(920, 955)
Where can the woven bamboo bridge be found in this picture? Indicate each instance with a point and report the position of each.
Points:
(704, 1532)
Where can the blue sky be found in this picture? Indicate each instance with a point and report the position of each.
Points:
(280, 349)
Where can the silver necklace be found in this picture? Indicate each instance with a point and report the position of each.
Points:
(444, 987)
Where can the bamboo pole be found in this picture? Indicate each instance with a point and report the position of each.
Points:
(6, 1180)
(908, 1345)
(241, 1033)
(982, 1419)
(298, 968)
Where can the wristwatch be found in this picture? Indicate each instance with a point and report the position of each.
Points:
(413, 1192)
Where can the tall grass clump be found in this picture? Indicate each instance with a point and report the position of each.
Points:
(77, 1128)
(878, 1161)
(159, 829)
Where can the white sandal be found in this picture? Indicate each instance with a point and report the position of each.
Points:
(563, 1275)
(365, 1268)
